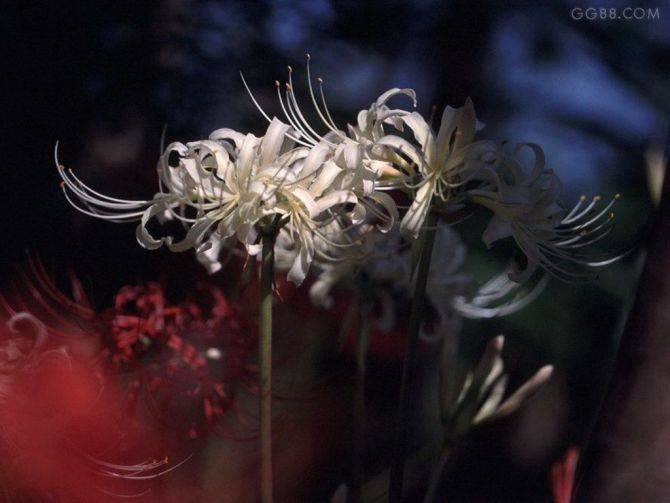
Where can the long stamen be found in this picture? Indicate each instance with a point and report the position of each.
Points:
(290, 100)
(328, 122)
(608, 224)
(573, 218)
(603, 212)
(112, 200)
(267, 118)
(291, 94)
(325, 106)
(309, 141)
(595, 239)
(64, 172)
(575, 208)
(253, 99)
(555, 251)
(104, 216)
(169, 204)
(88, 198)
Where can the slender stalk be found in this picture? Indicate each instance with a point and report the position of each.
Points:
(436, 472)
(265, 363)
(359, 406)
(424, 250)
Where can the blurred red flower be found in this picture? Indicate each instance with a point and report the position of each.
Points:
(183, 361)
(63, 434)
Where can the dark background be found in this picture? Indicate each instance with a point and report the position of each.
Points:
(105, 78)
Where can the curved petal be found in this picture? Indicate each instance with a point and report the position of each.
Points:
(228, 134)
(450, 120)
(144, 238)
(335, 198)
(194, 235)
(383, 98)
(404, 147)
(467, 125)
(416, 215)
(324, 179)
(298, 271)
(423, 134)
(391, 209)
(272, 142)
(315, 159)
(307, 201)
(497, 228)
(208, 254)
(245, 160)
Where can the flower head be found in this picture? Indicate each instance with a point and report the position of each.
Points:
(222, 190)
(526, 207)
(437, 162)
(326, 192)
(187, 358)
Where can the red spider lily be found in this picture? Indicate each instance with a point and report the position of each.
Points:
(63, 436)
(183, 360)
(563, 475)
(187, 357)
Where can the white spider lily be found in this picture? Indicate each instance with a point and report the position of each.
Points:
(497, 297)
(221, 188)
(525, 207)
(439, 162)
(452, 292)
(456, 294)
(343, 263)
(369, 166)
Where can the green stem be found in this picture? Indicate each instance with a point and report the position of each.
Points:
(359, 406)
(424, 249)
(265, 363)
(436, 473)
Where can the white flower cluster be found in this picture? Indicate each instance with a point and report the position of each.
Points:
(334, 195)
(452, 293)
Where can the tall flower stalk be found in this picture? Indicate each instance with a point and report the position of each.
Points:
(424, 251)
(269, 236)
(360, 412)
